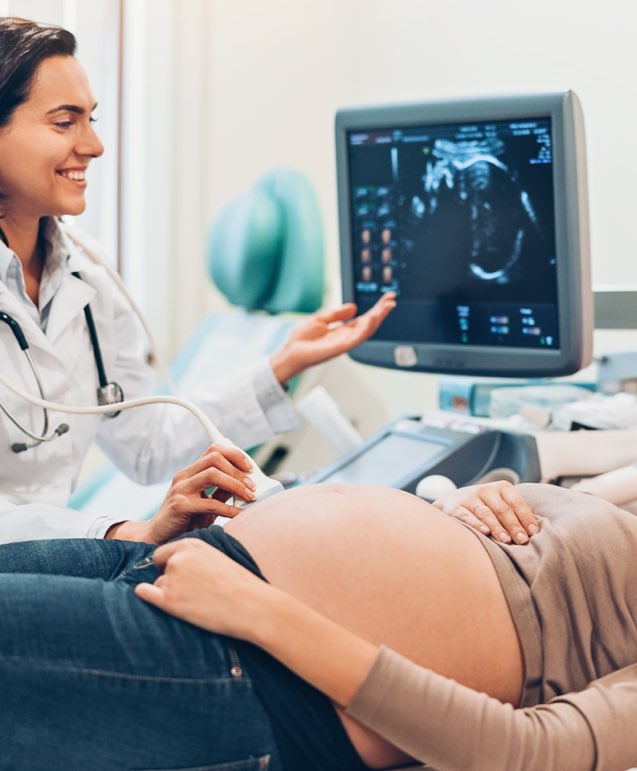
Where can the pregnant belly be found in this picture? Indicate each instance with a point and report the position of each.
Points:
(394, 570)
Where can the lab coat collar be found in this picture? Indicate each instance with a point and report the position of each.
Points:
(10, 304)
(57, 253)
(72, 295)
(7, 259)
(70, 300)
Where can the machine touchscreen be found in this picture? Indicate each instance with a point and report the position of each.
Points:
(389, 458)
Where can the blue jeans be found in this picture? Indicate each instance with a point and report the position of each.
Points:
(93, 678)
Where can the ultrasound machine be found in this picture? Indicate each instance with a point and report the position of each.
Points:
(474, 212)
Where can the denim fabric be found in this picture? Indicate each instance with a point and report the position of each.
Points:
(88, 558)
(93, 678)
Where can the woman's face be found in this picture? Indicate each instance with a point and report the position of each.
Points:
(48, 144)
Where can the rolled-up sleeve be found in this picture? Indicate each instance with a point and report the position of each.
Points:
(24, 522)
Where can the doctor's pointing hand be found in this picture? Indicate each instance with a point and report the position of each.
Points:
(81, 334)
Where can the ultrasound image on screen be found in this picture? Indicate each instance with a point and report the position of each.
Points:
(459, 221)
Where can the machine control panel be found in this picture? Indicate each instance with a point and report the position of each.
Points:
(405, 451)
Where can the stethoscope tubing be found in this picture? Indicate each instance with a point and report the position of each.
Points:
(264, 485)
(108, 393)
(213, 432)
(107, 409)
(15, 421)
(106, 389)
(97, 350)
(16, 329)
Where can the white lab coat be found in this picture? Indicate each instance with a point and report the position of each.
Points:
(148, 443)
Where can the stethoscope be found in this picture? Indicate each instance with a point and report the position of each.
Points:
(107, 393)
(111, 393)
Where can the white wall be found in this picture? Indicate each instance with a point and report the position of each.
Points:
(166, 144)
(282, 67)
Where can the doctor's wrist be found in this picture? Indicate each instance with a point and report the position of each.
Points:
(283, 369)
(129, 531)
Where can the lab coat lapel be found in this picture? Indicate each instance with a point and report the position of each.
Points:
(11, 305)
(69, 301)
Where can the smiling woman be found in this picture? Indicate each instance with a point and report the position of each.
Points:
(27, 44)
(46, 150)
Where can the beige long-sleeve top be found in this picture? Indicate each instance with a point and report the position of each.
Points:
(449, 726)
(572, 593)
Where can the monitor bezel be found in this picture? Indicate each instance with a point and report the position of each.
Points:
(574, 292)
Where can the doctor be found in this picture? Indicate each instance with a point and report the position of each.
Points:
(47, 280)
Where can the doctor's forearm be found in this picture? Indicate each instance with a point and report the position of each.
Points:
(129, 530)
(283, 367)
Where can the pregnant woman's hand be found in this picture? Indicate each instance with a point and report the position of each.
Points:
(494, 508)
(201, 585)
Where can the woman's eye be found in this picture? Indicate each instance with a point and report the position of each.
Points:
(64, 124)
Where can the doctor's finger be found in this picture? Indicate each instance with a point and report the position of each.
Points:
(214, 477)
(210, 481)
(386, 299)
(379, 312)
(374, 317)
(364, 326)
(342, 313)
(204, 510)
(237, 465)
(223, 496)
(216, 452)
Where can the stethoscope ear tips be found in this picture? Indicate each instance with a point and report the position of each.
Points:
(22, 446)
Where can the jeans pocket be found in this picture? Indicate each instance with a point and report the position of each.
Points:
(261, 763)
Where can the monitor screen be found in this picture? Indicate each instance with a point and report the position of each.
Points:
(474, 212)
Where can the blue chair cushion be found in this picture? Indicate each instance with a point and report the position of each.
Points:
(265, 248)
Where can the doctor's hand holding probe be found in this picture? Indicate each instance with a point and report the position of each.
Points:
(67, 332)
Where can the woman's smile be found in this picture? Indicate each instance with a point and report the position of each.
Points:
(75, 175)
(48, 144)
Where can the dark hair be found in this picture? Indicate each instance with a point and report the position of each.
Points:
(23, 46)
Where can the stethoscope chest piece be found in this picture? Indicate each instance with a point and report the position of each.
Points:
(111, 393)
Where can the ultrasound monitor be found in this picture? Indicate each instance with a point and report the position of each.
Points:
(474, 211)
